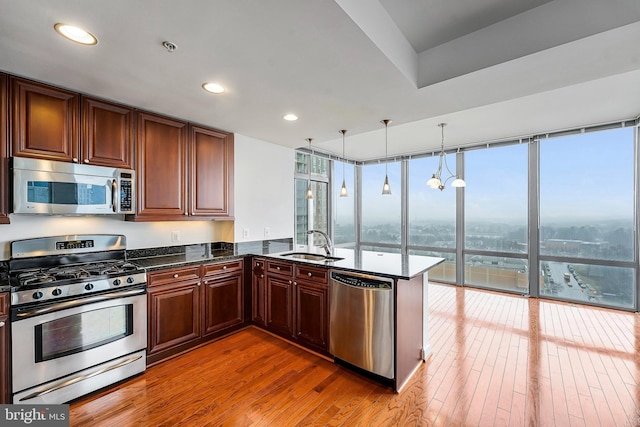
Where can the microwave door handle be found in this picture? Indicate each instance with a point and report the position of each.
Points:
(114, 190)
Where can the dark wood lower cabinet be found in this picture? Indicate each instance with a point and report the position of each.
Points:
(279, 305)
(192, 305)
(292, 301)
(259, 292)
(311, 319)
(223, 303)
(174, 315)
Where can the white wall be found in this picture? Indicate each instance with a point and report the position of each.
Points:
(263, 190)
(263, 198)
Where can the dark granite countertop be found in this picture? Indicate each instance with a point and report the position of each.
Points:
(385, 264)
(159, 262)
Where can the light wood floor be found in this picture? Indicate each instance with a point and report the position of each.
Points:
(497, 360)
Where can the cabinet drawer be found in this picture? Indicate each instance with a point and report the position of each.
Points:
(164, 277)
(4, 304)
(312, 274)
(222, 267)
(280, 267)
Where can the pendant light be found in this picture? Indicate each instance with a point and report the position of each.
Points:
(436, 181)
(343, 190)
(309, 192)
(386, 188)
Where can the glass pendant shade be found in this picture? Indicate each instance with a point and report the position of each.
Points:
(386, 188)
(343, 190)
(434, 182)
(458, 182)
(309, 192)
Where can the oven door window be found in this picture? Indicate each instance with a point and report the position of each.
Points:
(66, 193)
(83, 331)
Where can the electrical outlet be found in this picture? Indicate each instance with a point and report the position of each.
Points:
(245, 233)
(175, 236)
(267, 232)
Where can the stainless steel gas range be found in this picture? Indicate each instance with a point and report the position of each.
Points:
(79, 316)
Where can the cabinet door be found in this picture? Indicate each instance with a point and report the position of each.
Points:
(174, 315)
(211, 172)
(222, 302)
(311, 314)
(5, 355)
(45, 121)
(107, 134)
(279, 309)
(4, 151)
(161, 167)
(258, 300)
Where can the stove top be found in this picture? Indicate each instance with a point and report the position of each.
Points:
(70, 267)
(53, 276)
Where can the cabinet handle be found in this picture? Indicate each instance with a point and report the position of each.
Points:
(74, 160)
(224, 267)
(199, 283)
(1, 324)
(278, 268)
(175, 276)
(309, 274)
(290, 282)
(186, 213)
(86, 160)
(261, 276)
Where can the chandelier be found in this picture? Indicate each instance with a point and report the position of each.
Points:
(436, 181)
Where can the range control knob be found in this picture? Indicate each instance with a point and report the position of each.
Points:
(117, 282)
(37, 295)
(56, 292)
(130, 279)
(88, 286)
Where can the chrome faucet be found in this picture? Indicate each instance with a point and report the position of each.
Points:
(328, 246)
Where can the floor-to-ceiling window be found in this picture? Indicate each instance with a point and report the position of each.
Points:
(587, 217)
(496, 218)
(344, 214)
(565, 202)
(381, 214)
(432, 217)
(311, 213)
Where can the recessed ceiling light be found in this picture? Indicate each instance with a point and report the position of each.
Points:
(290, 117)
(75, 34)
(212, 87)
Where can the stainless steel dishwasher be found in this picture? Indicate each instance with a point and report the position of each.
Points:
(361, 328)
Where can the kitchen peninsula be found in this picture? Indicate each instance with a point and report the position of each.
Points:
(376, 304)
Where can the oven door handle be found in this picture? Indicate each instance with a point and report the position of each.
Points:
(79, 378)
(79, 302)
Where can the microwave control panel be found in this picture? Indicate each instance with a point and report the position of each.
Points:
(126, 196)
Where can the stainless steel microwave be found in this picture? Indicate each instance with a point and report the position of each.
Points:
(51, 187)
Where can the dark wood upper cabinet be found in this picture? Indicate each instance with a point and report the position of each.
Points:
(56, 124)
(211, 172)
(183, 172)
(4, 150)
(107, 133)
(45, 121)
(161, 170)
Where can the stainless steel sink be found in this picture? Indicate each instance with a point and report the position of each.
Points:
(311, 257)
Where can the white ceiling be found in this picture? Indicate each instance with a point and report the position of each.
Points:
(491, 69)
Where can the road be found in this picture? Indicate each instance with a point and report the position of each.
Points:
(562, 289)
